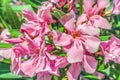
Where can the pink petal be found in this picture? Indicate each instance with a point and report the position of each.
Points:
(61, 39)
(28, 28)
(44, 76)
(5, 34)
(91, 43)
(99, 75)
(16, 63)
(28, 68)
(46, 16)
(90, 63)
(116, 8)
(43, 64)
(87, 5)
(88, 29)
(81, 19)
(14, 40)
(74, 71)
(68, 21)
(29, 15)
(75, 53)
(103, 3)
(61, 62)
(101, 22)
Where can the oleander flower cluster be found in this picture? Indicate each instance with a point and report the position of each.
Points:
(37, 50)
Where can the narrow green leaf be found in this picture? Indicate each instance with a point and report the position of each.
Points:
(20, 8)
(81, 6)
(5, 45)
(31, 3)
(4, 23)
(104, 38)
(12, 17)
(4, 68)
(58, 13)
(9, 76)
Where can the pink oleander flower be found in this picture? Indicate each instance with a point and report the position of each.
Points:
(116, 7)
(111, 50)
(75, 38)
(94, 10)
(30, 55)
(77, 41)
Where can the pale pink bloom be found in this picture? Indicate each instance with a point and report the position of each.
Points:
(111, 50)
(30, 54)
(116, 7)
(94, 10)
(77, 39)
(31, 57)
(37, 24)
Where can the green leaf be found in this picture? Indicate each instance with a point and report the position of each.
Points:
(89, 76)
(9, 76)
(55, 77)
(4, 68)
(4, 23)
(15, 33)
(20, 8)
(7, 61)
(31, 3)
(12, 17)
(92, 77)
(105, 38)
(106, 71)
(80, 6)
(5, 45)
(58, 13)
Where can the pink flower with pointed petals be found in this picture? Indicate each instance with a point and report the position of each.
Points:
(31, 57)
(76, 40)
(94, 10)
(111, 50)
(37, 24)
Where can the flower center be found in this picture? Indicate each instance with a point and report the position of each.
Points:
(75, 34)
